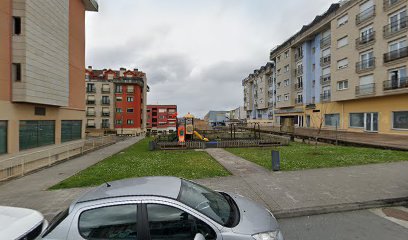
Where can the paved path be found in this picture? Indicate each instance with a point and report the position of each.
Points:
(30, 191)
(308, 189)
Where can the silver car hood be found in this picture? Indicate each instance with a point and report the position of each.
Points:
(254, 218)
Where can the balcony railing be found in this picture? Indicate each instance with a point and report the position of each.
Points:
(90, 114)
(90, 102)
(396, 84)
(325, 97)
(395, 55)
(298, 72)
(105, 114)
(105, 90)
(396, 27)
(365, 41)
(366, 89)
(104, 102)
(324, 61)
(298, 86)
(324, 42)
(105, 125)
(91, 90)
(365, 65)
(365, 15)
(325, 79)
(388, 4)
(90, 125)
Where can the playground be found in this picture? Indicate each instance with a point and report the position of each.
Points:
(232, 136)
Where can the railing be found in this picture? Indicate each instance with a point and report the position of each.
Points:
(326, 41)
(103, 102)
(396, 84)
(105, 125)
(92, 90)
(365, 15)
(88, 102)
(325, 97)
(388, 4)
(24, 163)
(298, 71)
(396, 27)
(91, 125)
(298, 86)
(325, 79)
(90, 114)
(365, 65)
(366, 89)
(324, 61)
(395, 55)
(105, 90)
(105, 114)
(365, 40)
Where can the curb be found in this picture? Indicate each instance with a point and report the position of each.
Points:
(336, 208)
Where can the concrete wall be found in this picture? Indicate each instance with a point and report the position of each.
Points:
(5, 53)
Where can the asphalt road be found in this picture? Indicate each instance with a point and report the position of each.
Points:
(361, 225)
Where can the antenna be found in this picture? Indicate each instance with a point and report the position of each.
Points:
(107, 184)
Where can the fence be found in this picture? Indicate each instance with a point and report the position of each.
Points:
(22, 164)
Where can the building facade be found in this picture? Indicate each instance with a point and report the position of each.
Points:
(161, 119)
(346, 70)
(41, 63)
(116, 101)
(216, 118)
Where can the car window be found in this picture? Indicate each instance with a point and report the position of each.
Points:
(166, 222)
(113, 222)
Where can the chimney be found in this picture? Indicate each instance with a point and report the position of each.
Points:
(136, 70)
(122, 71)
(89, 68)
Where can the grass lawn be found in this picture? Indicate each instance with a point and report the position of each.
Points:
(300, 156)
(138, 161)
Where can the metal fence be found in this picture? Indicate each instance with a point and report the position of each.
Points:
(22, 164)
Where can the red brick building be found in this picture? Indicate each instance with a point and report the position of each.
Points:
(161, 118)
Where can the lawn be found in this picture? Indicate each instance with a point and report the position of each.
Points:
(300, 156)
(137, 161)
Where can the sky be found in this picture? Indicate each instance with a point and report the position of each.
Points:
(195, 53)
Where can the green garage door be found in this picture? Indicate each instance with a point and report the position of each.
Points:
(36, 134)
(3, 137)
(71, 130)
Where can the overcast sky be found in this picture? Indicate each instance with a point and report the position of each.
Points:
(195, 52)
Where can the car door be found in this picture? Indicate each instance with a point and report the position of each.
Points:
(115, 220)
(166, 220)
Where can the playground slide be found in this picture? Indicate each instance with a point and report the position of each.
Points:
(201, 137)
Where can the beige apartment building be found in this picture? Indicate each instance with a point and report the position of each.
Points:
(42, 59)
(347, 69)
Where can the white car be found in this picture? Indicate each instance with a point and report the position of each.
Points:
(21, 224)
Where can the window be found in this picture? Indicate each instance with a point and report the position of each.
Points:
(90, 88)
(172, 110)
(286, 97)
(105, 100)
(166, 222)
(341, 64)
(278, 84)
(400, 120)
(105, 123)
(366, 34)
(71, 130)
(332, 120)
(16, 25)
(365, 80)
(129, 122)
(39, 111)
(16, 72)
(286, 82)
(118, 89)
(342, 20)
(278, 59)
(397, 45)
(130, 110)
(105, 112)
(129, 99)
(342, 85)
(118, 122)
(313, 50)
(342, 42)
(113, 222)
(286, 69)
(326, 71)
(357, 120)
(130, 89)
(162, 110)
(118, 110)
(398, 20)
(35, 134)
(118, 99)
(3, 137)
(287, 54)
(279, 98)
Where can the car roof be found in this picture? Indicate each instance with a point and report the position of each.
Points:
(15, 222)
(168, 187)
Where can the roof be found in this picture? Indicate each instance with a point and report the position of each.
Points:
(146, 186)
(14, 222)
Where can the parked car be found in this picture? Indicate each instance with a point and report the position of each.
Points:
(162, 208)
(21, 224)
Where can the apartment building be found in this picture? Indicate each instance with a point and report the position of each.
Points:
(259, 93)
(161, 119)
(346, 69)
(41, 63)
(115, 101)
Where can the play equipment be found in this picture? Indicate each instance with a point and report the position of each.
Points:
(181, 134)
(201, 137)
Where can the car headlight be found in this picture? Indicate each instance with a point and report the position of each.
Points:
(276, 235)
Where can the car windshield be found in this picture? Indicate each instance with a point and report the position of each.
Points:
(212, 204)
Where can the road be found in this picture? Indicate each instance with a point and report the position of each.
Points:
(362, 225)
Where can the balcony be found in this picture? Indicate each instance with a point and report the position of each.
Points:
(105, 103)
(396, 27)
(90, 102)
(365, 15)
(325, 79)
(90, 125)
(105, 90)
(298, 101)
(325, 61)
(365, 41)
(325, 97)
(395, 55)
(400, 83)
(91, 90)
(366, 89)
(298, 72)
(365, 65)
(324, 42)
(298, 86)
(105, 125)
(389, 4)
(90, 114)
(105, 114)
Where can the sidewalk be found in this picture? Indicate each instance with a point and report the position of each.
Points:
(30, 191)
(312, 191)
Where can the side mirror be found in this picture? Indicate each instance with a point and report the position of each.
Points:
(199, 236)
